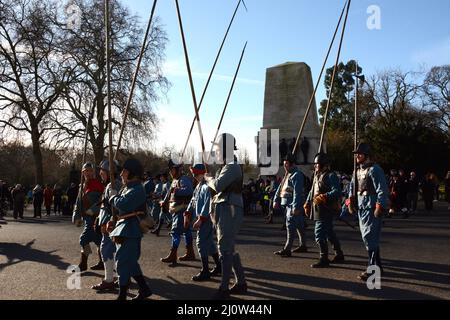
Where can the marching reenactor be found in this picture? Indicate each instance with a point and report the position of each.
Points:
(290, 197)
(163, 213)
(149, 187)
(372, 203)
(324, 203)
(176, 202)
(156, 198)
(130, 203)
(107, 246)
(87, 208)
(227, 212)
(198, 212)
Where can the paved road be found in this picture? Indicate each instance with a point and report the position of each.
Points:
(35, 254)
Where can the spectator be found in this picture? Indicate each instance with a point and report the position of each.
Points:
(413, 192)
(38, 199)
(48, 197)
(57, 199)
(447, 188)
(72, 193)
(428, 190)
(18, 196)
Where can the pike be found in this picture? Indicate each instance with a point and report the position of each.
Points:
(228, 98)
(89, 120)
(325, 117)
(135, 76)
(211, 73)
(308, 109)
(191, 83)
(108, 92)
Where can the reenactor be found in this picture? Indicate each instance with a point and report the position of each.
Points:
(372, 194)
(290, 197)
(324, 203)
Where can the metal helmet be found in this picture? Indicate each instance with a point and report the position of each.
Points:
(172, 164)
(290, 158)
(363, 148)
(321, 158)
(88, 165)
(227, 145)
(104, 165)
(134, 167)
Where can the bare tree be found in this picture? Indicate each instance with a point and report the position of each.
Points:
(392, 91)
(84, 47)
(437, 91)
(32, 76)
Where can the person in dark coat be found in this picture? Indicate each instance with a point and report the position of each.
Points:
(38, 199)
(18, 196)
(428, 190)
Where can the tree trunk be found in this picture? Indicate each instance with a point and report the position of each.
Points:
(37, 155)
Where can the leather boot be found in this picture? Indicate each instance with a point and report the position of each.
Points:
(99, 265)
(323, 261)
(217, 271)
(144, 290)
(171, 257)
(204, 273)
(339, 257)
(83, 262)
(190, 254)
(283, 253)
(123, 290)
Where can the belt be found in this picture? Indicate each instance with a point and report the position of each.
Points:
(131, 215)
(366, 193)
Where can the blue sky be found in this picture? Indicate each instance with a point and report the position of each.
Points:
(413, 35)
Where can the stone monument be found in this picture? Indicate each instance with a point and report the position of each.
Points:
(288, 90)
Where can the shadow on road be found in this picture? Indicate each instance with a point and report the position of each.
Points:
(16, 253)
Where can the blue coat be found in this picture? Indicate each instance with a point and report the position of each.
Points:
(130, 199)
(199, 205)
(291, 193)
(377, 192)
(105, 209)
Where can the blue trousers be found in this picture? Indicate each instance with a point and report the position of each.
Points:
(127, 256)
(205, 239)
(324, 232)
(107, 248)
(89, 235)
(294, 225)
(370, 227)
(178, 230)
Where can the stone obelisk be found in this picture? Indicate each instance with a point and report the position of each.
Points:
(288, 90)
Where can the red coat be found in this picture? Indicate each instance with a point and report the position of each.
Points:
(48, 197)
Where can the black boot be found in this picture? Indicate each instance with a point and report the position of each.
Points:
(204, 273)
(217, 271)
(323, 261)
(83, 262)
(283, 253)
(339, 257)
(144, 290)
(123, 290)
(99, 265)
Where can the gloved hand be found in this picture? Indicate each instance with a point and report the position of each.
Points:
(296, 212)
(187, 219)
(378, 211)
(307, 208)
(320, 199)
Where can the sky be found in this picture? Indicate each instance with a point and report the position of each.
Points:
(413, 35)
